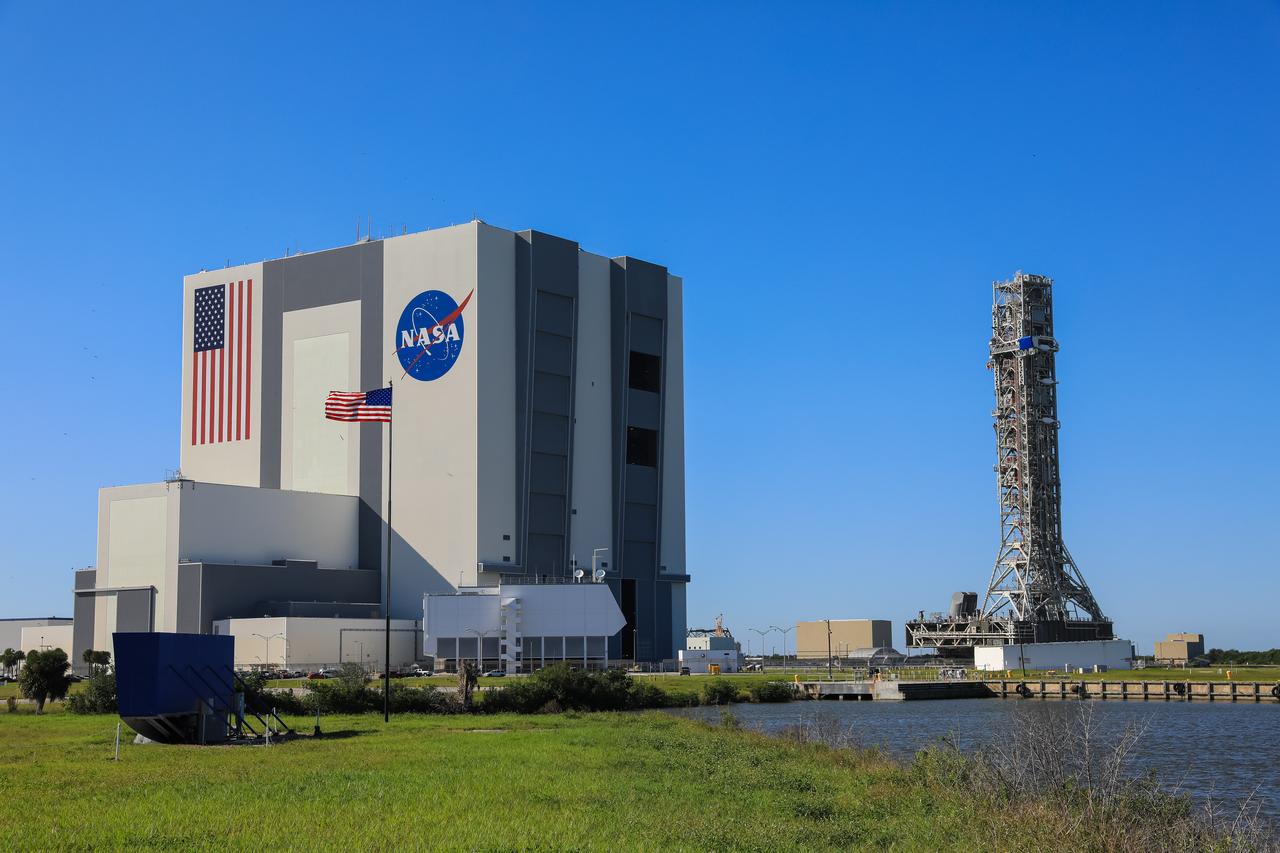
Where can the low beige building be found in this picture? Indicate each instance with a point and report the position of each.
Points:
(42, 638)
(847, 635)
(1179, 649)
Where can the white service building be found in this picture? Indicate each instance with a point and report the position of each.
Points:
(522, 627)
(1063, 657)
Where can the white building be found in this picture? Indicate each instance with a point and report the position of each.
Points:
(522, 627)
(42, 638)
(308, 643)
(1063, 657)
(11, 630)
(701, 660)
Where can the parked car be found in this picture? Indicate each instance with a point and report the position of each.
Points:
(684, 670)
(416, 671)
(494, 673)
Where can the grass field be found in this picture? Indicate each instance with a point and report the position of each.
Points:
(593, 781)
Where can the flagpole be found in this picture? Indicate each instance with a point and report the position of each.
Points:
(386, 660)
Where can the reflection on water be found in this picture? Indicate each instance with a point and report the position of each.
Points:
(1225, 750)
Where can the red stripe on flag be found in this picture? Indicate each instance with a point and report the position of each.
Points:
(235, 325)
(200, 390)
(222, 376)
(248, 363)
(195, 390)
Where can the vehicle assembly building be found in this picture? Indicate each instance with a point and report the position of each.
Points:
(1036, 593)
(538, 426)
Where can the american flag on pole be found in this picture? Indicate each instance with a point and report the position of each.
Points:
(359, 405)
(222, 363)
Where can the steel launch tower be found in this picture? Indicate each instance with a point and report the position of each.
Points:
(1036, 593)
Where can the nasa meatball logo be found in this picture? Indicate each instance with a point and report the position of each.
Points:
(430, 334)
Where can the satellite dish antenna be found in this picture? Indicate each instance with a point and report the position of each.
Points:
(578, 573)
(598, 574)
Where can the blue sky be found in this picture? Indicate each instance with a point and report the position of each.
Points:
(838, 184)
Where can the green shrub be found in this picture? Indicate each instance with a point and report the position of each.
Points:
(421, 700)
(45, 677)
(261, 701)
(98, 696)
(562, 688)
(772, 691)
(343, 697)
(340, 696)
(719, 692)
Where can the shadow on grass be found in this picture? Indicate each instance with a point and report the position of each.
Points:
(340, 734)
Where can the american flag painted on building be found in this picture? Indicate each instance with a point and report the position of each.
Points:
(359, 405)
(222, 363)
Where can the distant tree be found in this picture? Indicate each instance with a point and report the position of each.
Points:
(87, 657)
(18, 657)
(45, 677)
(102, 659)
(353, 675)
(466, 682)
(8, 659)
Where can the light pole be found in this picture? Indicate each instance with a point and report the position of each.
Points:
(761, 633)
(480, 635)
(783, 632)
(830, 677)
(267, 638)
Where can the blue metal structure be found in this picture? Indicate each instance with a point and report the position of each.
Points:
(176, 688)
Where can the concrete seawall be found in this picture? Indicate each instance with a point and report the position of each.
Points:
(1013, 688)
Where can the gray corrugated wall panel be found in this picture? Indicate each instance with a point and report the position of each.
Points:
(82, 615)
(639, 314)
(271, 365)
(546, 325)
(372, 375)
(644, 409)
(135, 610)
(232, 591)
(188, 616)
(662, 622)
(346, 274)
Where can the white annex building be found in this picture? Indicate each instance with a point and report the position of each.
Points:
(538, 400)
(522, 627)
(1064, 657)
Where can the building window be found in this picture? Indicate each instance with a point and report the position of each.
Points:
(645, 372)
(642, 447)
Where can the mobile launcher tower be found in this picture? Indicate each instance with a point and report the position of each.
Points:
(1037, 594)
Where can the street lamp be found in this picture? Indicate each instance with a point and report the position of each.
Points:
(761, 633)
(267, 639)
(480, 635)
(784, 632)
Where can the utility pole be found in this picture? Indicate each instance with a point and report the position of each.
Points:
(762, 655)
(830, 677)
(783, 632)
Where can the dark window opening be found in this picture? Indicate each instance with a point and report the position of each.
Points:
(645, 372)
(628, 607)
(642, 447)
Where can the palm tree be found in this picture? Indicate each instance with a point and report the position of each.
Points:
(8, 659)
(90, 657)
